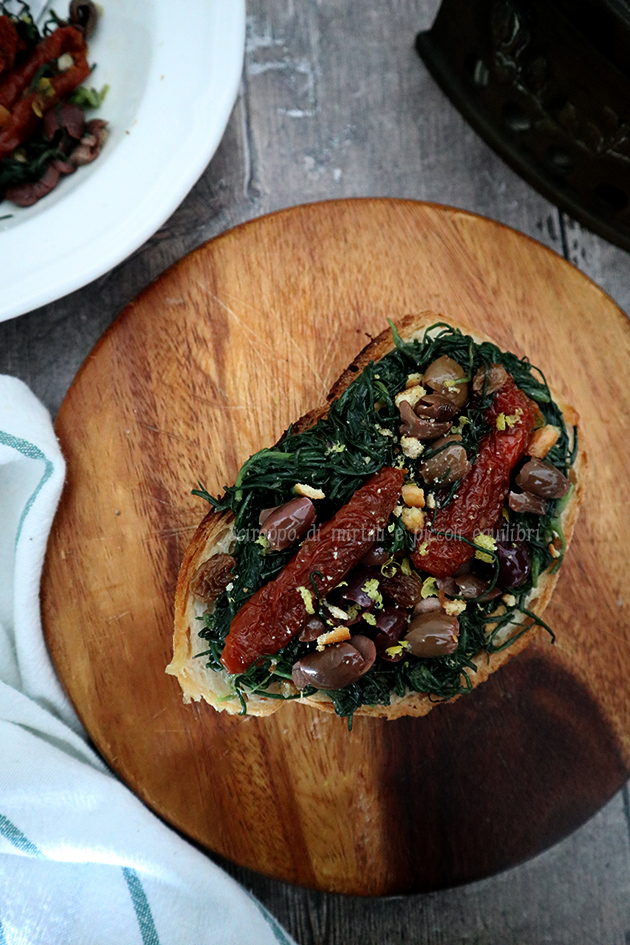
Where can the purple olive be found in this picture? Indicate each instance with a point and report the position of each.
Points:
(422, 427)
(493, 376)
(515, 563)
(366, 648)
(391, 623)
(66, 117)
(472, 586)
(287, 523)
(542, 479)
(464, 568)
(526, 502)
(435, 407)
(427, 605)
(446, 377)
(376, 556)
(83, 15)
(356, 581)
(447, 466)
(448, 585)
(404, 589)
(433, 634)
(313, 628)
(338, 665)
(90, 145)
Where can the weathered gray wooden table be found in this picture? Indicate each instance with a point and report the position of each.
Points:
(335, 103)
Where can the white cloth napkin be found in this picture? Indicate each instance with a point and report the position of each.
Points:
(81, 859)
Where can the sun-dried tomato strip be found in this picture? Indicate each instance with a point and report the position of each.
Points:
(64, 40)
(481, 495)
(10, 43)
(29, 110)
(276, 612)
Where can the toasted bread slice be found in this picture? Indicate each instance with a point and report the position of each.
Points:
(215, 536)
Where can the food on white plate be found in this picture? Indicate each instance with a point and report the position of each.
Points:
(44, 132)
(397, 545)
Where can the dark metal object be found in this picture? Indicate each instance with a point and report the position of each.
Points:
(547, 84)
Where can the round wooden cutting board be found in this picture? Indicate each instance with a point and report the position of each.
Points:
(211, 363)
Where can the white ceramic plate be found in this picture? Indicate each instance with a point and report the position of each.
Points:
(173, 70)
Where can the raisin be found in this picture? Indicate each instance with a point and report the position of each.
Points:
(212, 577)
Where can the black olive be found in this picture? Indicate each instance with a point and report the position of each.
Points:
(515, 563)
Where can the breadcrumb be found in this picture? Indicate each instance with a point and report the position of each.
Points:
(413, 519)
(413, 380)
(309, 491)
(454, 607)
(412, 395)
(541, 441)
(413, 496)
(411, 446)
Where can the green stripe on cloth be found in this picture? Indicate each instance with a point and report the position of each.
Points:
(142, 907)
(7, 828)
(17, 838)
(31, 452)
(138, 896)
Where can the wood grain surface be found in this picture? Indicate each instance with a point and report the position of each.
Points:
(211, 363)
